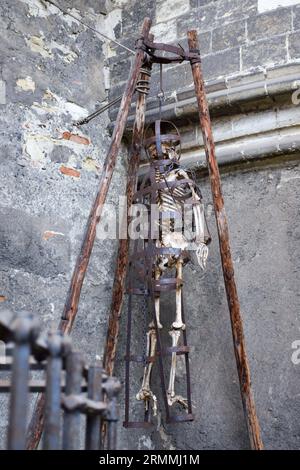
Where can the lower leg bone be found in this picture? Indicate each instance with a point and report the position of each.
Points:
(145, 392)
(178, 324)
(175, 332)
(171, 395)
(157, 303)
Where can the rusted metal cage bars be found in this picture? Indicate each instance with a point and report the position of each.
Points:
(68, 385)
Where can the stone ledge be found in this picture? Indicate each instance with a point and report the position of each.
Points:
(243, 151)
(226, 93)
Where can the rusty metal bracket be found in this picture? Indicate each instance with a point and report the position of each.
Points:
(79, 402)
(176, 53)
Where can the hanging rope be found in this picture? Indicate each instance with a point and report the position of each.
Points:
(143, 86)
(161, 93)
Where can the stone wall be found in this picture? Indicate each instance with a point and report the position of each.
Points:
(237, 37)
(54, 71)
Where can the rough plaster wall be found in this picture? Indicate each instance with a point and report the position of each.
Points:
(52, 68)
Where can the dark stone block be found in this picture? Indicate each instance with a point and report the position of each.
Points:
(270, 24)
(119, 70)
(294, 45)
(133, 15)
(60, 154)
(221, 64)
(267, 52)
(24, 244)
(229, 35)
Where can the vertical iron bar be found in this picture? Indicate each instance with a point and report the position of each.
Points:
(71, 426)
(53, 393)
(23, 328)
(112, 425)
(112, 387)
(93, 421)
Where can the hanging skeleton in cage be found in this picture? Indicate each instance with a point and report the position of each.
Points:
(177, 232)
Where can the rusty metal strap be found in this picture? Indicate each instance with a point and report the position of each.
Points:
(175, 349)
(164, 284)
(164, 138)
(80, 403)
(155, 251)
(164, 185)
(137, 358)
(180, 418)
(137, 424)
(178, 53)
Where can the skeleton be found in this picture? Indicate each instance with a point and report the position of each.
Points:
(170, 200)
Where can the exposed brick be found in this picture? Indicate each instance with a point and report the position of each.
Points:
(229, 35)
(2, 298)
(202, 19)
(230, 10)
(221, 64)
(50, 234)
(294, 45)
(79, 139)
(270, 51)
(69, 171)
(270, 24)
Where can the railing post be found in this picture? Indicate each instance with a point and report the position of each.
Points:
(24, 331)
(93, 421)
(71, 425)
(112, 388)
(56, 346)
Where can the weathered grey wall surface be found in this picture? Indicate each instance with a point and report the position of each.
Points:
(54, 71)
